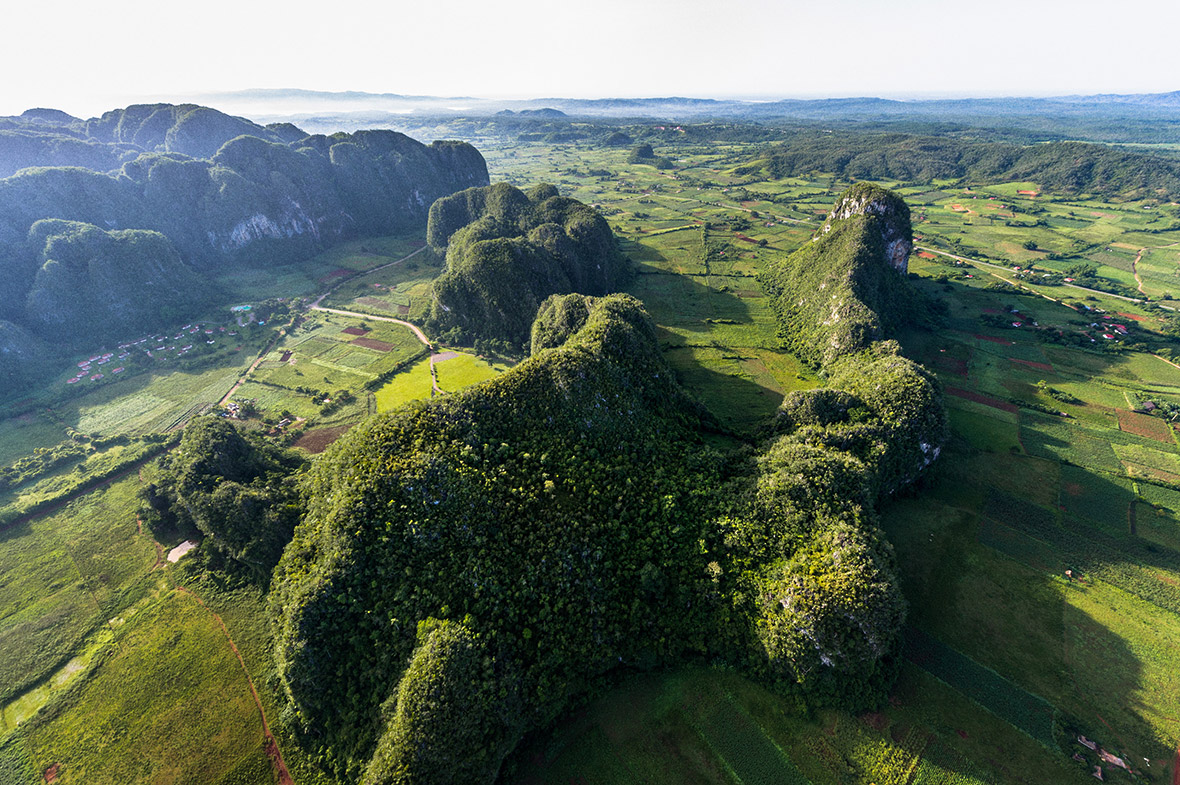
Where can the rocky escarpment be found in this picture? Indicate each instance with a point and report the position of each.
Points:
(272, 198)
(48, 137)
(846, 288)
(892, 219)
(255, 199)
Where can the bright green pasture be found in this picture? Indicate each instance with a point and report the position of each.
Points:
(465, 370)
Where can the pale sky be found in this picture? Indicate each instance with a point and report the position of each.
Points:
(86, 57)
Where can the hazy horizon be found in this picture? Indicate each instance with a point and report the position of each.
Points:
(752, 50)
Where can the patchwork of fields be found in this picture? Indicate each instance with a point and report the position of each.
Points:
(109, 673)
(1008, 659)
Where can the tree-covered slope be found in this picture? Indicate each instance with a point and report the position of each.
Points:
(551, 512)
(235, 491)
(469, 564)
(45, 137)
(96, 283)
(163, 215)
(507, 250)
(1069, 167)
(253, 197)
(845, 289)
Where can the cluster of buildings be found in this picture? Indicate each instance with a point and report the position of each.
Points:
(154, 347)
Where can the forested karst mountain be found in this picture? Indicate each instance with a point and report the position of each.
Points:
(469, 563)
(507, 250)
(267, 199)
(831, 295)
(48, 137)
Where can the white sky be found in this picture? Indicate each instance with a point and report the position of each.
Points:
(86, 57)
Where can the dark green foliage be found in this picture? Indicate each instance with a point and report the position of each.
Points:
(846, 573)
(453, 718)
(641, 154)
(192, 130)
(101, 284)
(24, 147)
(559, 317)
(1071, 167)
(257, 196)
(16, 768)
(576, 486)
(507, 250)
(838, 294)
(21, 355)
(239, 494)
(572, 485)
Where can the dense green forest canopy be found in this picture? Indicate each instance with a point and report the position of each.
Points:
(235, 491)
(423, 612)
(831, 296)
(507, 250)
(1067, 167)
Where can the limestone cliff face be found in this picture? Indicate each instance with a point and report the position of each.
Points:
(892, 219)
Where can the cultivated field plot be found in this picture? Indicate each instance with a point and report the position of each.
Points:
(147, 708)
(316, 275)
(151, 403)
(412, 384)
(328, 354)
(463, 370)
(401, 288)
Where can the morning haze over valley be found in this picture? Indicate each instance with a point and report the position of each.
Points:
(632, 393)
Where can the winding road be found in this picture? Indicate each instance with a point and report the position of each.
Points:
(315, 306)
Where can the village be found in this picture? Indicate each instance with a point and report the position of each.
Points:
(192, 339)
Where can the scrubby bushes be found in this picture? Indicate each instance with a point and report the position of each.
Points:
(239, 494)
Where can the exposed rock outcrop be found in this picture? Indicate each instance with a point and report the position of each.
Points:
(892, 219)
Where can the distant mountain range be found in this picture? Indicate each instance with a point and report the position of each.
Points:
(679, 107)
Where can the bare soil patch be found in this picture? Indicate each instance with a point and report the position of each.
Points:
(1146, 426)
(1032, 364)
(1150, 472)
(372, 343)
(375, 302)
(318, 440)
(357, 331)
(986, 400)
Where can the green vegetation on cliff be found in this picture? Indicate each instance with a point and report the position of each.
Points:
(102, 284)
(86, 254)
(570, 486)
(842, 291)
(507, 251)
(424, 606)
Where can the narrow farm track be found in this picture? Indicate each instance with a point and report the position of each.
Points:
(316, 303)
(1135, 271)
(272, 746)
(253, 367)
(980, 262)
(421, 336)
